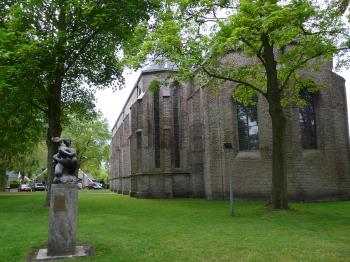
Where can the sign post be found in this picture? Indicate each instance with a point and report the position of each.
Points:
(229, 164)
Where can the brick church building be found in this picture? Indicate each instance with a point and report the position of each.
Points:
(170, 143)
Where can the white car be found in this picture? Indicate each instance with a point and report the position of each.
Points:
(39, 187)
(24, 188)
(95, 185)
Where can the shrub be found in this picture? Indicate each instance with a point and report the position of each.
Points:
(14, 184)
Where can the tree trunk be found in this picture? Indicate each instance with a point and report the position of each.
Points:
(54, 97)
(279, 193)
(54, 130)
(2, 178)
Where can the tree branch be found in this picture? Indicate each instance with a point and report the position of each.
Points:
(298, 67)
(260, 55)
(81, 49)
(233, 80)
(258, 52)
(344, 48)
(39, 107)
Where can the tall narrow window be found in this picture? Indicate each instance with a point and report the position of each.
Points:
(307, 120)
(176, 128)
(156, 129)
(248, 130)
(139, 140)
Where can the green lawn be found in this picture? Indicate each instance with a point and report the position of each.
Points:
(126, 229)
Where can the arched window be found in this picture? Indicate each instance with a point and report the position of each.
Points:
(307, 120)
(248, 129)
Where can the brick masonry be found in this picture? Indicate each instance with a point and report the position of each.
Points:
(206, 122)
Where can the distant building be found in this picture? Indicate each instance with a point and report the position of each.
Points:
(86, 178)
(12, 176)
(169, 143)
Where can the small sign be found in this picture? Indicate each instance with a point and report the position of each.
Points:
(228, 145)
(59, 204)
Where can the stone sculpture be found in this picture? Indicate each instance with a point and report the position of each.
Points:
(63, 204)
(65, 162)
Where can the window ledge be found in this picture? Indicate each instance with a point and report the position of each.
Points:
(248, 155)
(311, 154)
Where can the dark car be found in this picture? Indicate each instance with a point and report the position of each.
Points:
(24, 188)
(39, 187)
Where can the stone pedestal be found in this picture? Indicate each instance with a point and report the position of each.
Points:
(62, 223)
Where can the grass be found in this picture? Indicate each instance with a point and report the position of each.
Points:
(126, 229)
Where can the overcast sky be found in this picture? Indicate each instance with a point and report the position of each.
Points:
(111, 103)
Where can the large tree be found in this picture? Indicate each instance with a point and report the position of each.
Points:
(342, 7)
(79, 44)
(279, 38)
(91, 139)
(21, 125)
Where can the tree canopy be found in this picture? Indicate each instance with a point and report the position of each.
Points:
(91, 139)
(260, 46)
(69, 48)
(21, 125)
(342, 7)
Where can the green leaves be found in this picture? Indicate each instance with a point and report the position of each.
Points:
(21, 125)
(244, 95)
(216, 41)
(57, 53)
(91, 139)
(154, 86)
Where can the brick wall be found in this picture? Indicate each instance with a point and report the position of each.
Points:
(206, 122)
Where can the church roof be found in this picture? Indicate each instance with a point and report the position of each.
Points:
(157, 66)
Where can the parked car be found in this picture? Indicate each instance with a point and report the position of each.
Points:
(39, 187)
(104, 185)
(24, 188)
(95, 186)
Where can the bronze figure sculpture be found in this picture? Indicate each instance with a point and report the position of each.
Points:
(65, 162)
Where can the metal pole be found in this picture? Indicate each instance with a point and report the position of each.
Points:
(230, 165)
(231, 187)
